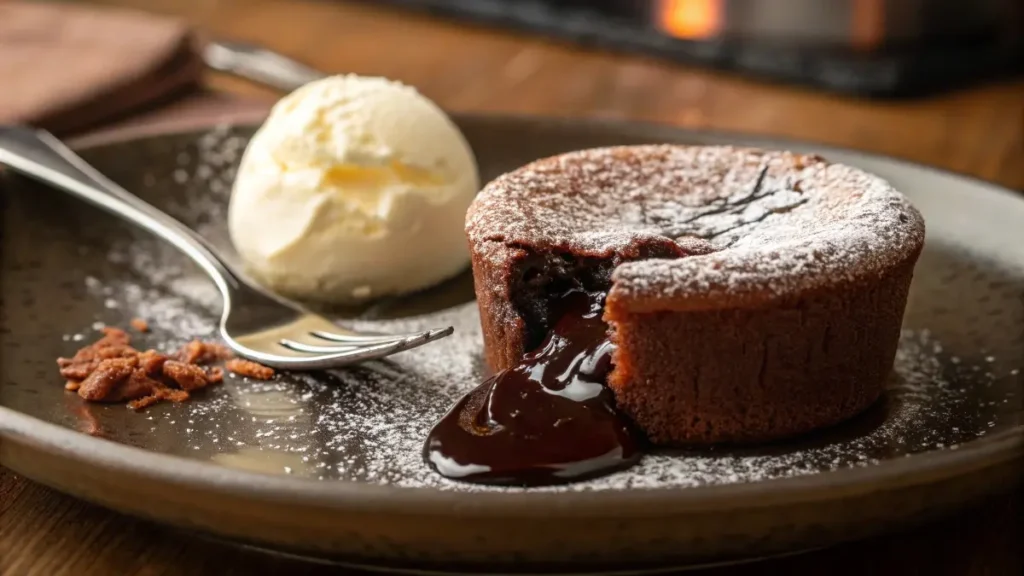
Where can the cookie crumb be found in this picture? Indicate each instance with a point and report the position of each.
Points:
(199, 352)
(215, 375)
(187, 376)
(111, 370)
(144, 402)
(250, 369)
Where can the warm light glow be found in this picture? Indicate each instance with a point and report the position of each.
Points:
(868, 27)
(689, 19)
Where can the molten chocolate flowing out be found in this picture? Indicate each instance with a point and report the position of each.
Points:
(549, 420)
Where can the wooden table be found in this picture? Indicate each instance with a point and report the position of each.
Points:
(978, 132)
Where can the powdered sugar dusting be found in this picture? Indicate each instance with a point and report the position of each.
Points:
(774, 222)
(367, 423)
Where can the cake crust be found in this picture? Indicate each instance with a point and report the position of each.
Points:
(752, 295)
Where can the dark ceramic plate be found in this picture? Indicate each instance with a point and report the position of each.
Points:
(329, 465)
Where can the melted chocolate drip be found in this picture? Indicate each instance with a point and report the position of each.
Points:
(549, 420)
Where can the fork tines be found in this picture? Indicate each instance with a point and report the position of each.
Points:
(371, 345)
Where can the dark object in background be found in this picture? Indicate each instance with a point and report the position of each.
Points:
(71, 68)
(878, 48)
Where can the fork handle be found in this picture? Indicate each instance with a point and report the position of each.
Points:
(258, 64)
(40, 156)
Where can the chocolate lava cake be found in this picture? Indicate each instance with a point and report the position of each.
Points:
(751, 295)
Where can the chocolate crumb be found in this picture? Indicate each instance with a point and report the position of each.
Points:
(175, 395)
(152, 362)
(250, 369)
(138, 385)
(215, 375)
(144, 402)
(111, 370)
(198, 352)
(188, 376)
(101, 382)
(157, 396)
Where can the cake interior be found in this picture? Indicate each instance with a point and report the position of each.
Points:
(542, 278)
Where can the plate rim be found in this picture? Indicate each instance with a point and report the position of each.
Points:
(251, 119)
(129, 461)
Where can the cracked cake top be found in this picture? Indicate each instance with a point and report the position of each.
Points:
(757, 225)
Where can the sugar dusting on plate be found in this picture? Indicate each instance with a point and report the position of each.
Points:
(367, 423)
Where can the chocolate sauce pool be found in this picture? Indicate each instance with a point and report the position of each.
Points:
(548, 420)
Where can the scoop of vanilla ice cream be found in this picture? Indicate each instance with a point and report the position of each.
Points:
(353, 188)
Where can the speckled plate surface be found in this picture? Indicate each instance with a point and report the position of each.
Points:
(329, 464)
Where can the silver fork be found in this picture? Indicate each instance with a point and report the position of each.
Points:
(258, 64)
(255, 323)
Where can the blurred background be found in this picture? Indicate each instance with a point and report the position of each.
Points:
(883, 48)
(934, 81)
(937, 81)
(877, 48)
